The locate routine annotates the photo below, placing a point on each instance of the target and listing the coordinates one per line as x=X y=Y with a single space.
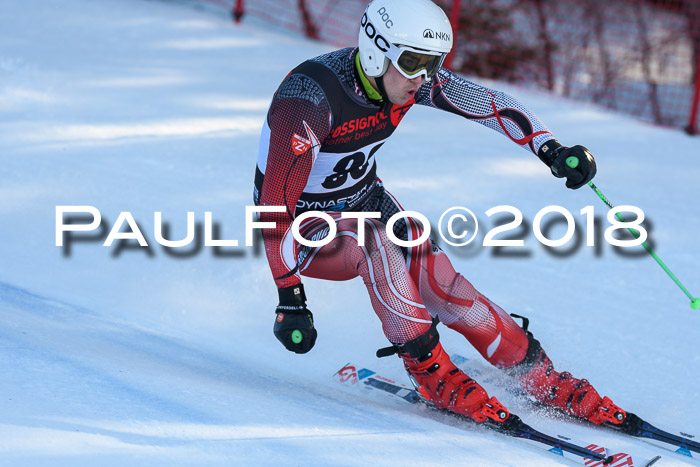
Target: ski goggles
x=412 y=63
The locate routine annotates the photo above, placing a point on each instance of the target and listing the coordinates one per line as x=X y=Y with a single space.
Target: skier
x=326 y=122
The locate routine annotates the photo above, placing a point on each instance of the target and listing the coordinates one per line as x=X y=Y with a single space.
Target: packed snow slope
x=160 y=356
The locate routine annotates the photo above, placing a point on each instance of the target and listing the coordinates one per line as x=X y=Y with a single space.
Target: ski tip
x=342 y=368
x=652 y=461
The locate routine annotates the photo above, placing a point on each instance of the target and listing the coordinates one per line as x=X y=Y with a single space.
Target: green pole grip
x=572 y=161
x=297 y=337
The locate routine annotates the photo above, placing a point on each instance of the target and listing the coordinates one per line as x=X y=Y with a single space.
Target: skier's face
x=399 y=88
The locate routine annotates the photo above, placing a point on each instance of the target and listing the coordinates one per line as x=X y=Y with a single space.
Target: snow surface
x=113 y=356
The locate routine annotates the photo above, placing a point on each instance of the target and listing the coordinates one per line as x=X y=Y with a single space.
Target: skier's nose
x=419 y=80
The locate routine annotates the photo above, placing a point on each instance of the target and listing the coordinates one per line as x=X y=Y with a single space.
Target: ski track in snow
x=136 y=356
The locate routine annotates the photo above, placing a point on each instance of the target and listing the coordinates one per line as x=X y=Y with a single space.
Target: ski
x=639 y=428
x=633 y=425
x=590 y=456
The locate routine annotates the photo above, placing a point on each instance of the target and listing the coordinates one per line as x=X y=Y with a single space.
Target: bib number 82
x=355 y=165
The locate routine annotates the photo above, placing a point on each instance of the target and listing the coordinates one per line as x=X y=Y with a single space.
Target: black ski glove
x=294 y=326
x=576 y=163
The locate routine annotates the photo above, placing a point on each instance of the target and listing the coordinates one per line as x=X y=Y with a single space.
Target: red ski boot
x=571 y=395
x=441 y=383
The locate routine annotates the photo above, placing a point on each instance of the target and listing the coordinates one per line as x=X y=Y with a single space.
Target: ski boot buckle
x=492 y=410
x=608 y=412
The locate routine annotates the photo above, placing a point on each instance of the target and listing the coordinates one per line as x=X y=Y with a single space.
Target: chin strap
x=382 y=90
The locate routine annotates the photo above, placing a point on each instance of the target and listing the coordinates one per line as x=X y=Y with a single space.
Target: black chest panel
x=344 y=171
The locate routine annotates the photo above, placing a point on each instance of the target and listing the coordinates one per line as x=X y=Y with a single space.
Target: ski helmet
x=415 y=35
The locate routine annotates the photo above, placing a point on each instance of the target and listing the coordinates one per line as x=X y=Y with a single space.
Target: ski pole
x=572 y=162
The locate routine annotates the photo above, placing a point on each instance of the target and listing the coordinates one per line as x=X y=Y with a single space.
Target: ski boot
x=441 y=384
x=576 y=397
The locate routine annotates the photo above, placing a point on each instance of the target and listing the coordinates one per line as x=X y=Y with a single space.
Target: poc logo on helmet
x=385 y=17
x=381 y=43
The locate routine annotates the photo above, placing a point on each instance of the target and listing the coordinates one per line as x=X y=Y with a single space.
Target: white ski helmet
x=415 y=35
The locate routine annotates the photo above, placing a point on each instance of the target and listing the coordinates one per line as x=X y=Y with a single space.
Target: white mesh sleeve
x=494 y=109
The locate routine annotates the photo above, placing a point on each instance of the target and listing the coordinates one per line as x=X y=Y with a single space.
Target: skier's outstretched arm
x=505 y=114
